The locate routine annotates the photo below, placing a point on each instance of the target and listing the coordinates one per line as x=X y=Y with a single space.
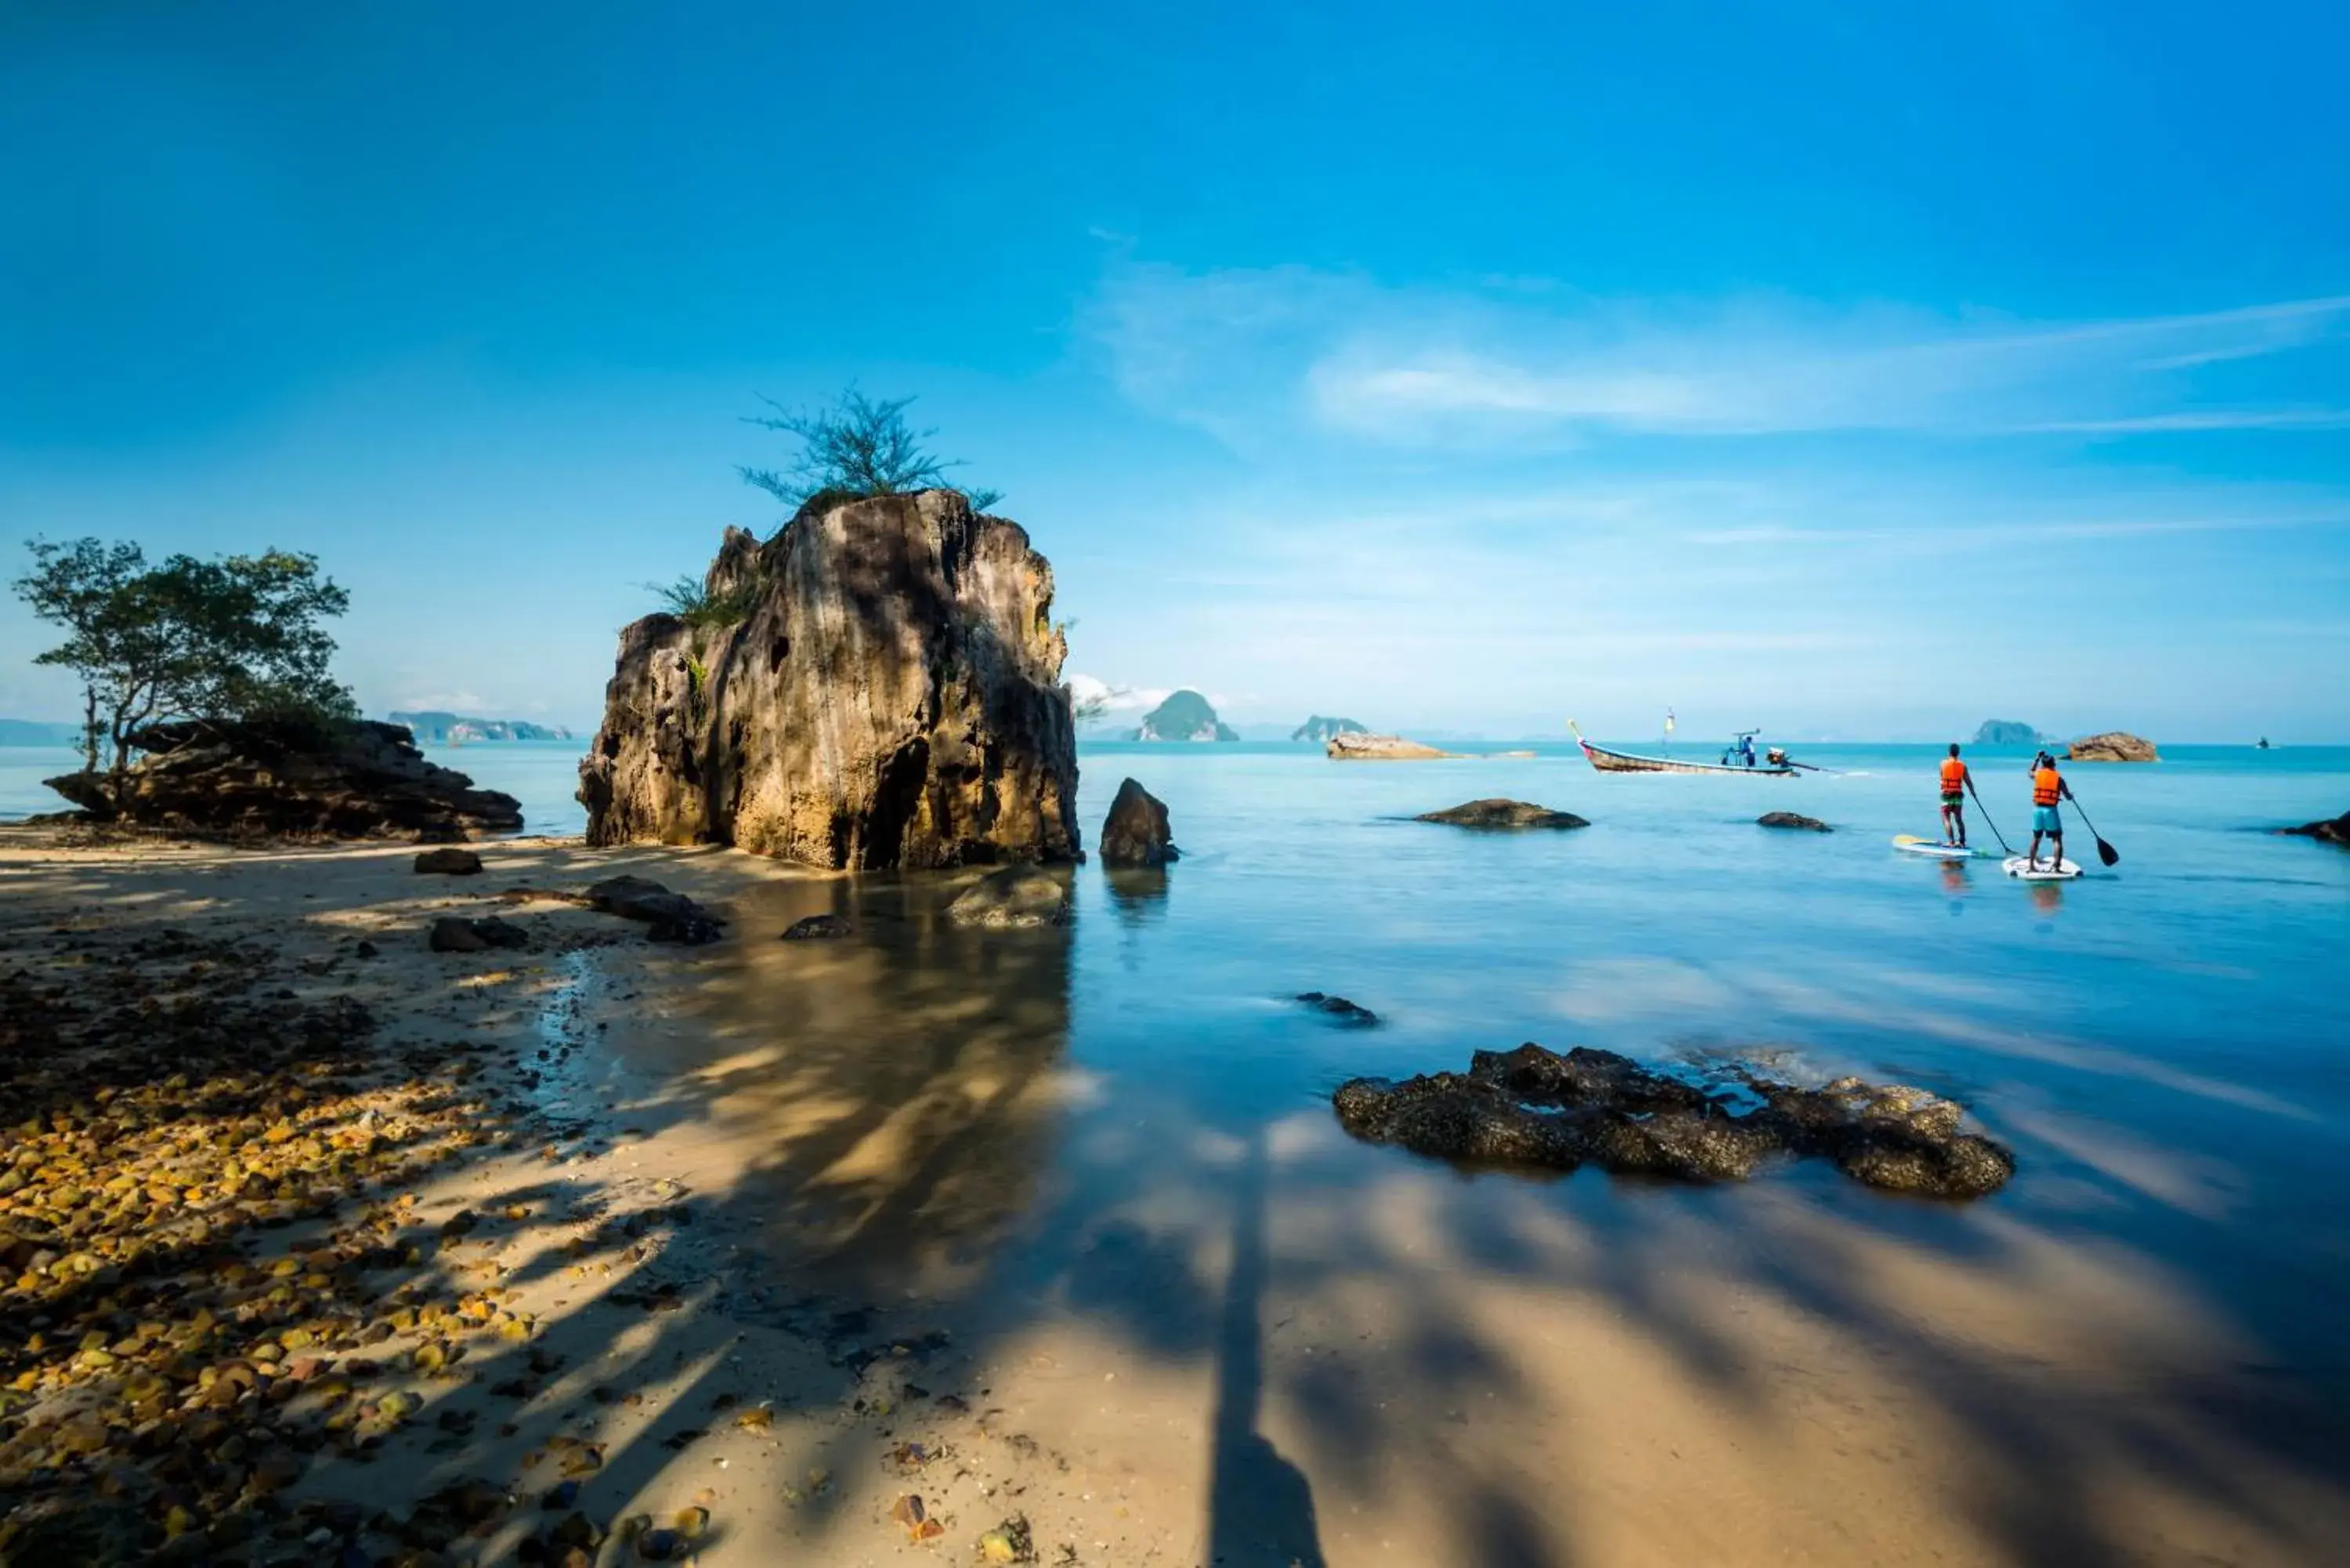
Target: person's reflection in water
x=1261 y=1506
x=1954 y=883
x=2047 y=898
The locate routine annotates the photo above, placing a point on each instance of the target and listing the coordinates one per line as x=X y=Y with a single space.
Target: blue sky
x=1850 y=371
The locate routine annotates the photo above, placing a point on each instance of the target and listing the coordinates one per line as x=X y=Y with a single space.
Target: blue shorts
x=2046 y=820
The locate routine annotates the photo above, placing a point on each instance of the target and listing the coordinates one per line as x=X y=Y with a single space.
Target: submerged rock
x=817 y=928
x=1790 y=819
x=1503 y=814
x=449 y=863
x=2113 y=746
x=336 y=780
x=878 y=685
x=1135 y=833
x=1339 y=1007
x=1532 y=1107
x=1348 y=746
x=1017 y=898
x=2336 y=831
x=673 y=917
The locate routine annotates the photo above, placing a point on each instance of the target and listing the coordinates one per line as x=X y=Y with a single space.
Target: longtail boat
x=1612 y=762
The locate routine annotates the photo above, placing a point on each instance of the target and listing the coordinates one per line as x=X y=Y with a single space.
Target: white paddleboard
x=1935 y=850
x=2049 y=871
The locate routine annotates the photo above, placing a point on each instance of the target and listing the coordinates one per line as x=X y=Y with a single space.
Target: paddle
x=1986 y=816
x=2105 y=852
x=1813 y=768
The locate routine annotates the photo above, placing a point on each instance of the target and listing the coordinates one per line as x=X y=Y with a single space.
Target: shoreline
x=862 y=1188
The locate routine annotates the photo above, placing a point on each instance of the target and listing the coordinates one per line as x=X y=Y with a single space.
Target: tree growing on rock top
x=857 y=447
x=237 y=637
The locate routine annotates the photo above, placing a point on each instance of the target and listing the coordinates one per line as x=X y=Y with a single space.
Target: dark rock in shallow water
x=452 y=934
x=1338 y=1007
x=1789 y=819
x=1498 y=813
x=1532 y=1107
x=817 y=928
x=1135 y=833
x=1017 y=898
x=673 y=917
x=449 y=863
x=339 y=779
x=2336 y=831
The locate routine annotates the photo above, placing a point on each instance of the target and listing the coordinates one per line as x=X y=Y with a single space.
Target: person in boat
x=1746 y=749
x=1954 y=799
x=2048 y=787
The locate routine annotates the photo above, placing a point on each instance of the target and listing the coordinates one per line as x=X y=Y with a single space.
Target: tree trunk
x=90 y=729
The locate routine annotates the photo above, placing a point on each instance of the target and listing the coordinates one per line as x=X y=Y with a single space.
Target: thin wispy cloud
x=1243 y=352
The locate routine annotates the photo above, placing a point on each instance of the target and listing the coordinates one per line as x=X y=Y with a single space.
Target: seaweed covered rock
x=1503 y=814
x=878 y=685
x=1017 y=898
x=1339 y=1008
x=1791 y=820
x=1532 y=1107
x=333 y=780
x=1135 y=832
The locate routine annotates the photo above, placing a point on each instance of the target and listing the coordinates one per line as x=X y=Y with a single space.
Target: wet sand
x=859 y=1185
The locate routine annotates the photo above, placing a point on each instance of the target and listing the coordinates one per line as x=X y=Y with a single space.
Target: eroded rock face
x=1532 y=1106
x=890 y=698
x=1352 y=747
x=1504 y=814
x=2335 y=831
x=2113 y=746
x=1793 y=821
x=354 y=780
x=1135 y=833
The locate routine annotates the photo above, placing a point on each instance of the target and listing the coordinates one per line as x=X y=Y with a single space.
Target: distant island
x=1185 y=716
x=2007 y=733
x=33 y=733
x=434 y=728
x=1318 y=730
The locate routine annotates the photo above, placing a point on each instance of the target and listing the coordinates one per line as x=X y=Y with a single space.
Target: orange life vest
x=1954 y=775
x=2046 y=787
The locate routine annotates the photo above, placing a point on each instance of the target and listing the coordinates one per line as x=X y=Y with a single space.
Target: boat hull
x=1608 y=762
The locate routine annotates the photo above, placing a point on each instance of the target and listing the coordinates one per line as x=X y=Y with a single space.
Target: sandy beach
x=700 y=1241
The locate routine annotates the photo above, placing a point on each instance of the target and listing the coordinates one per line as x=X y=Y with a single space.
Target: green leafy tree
x=238 y=637
x=857 y=447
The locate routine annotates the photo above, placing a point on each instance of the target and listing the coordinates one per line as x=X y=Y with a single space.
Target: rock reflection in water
x=888 y=1100
x=1138 y=893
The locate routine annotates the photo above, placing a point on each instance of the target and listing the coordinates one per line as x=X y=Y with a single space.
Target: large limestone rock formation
x=2113 y=746
x=356 y=780
x=879 y=686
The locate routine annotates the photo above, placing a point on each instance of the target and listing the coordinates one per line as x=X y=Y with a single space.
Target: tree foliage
x=690 y=599
x=856 y=448
x=238 y=637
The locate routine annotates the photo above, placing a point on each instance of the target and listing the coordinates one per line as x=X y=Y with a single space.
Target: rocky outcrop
x=2113 y=746
x=889 y=696
x=343 y=780
x=1534 y=1107
x=2006 y=733
x=1318 y=729
x=1017 y=898
x=672 y=917
x=1789 y=819
x=1185 y=716
x=1348 y=748
x=1503 y=814
x=817 y=928
x=1135 y=833
x=2333 y=831
x=454 y=934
